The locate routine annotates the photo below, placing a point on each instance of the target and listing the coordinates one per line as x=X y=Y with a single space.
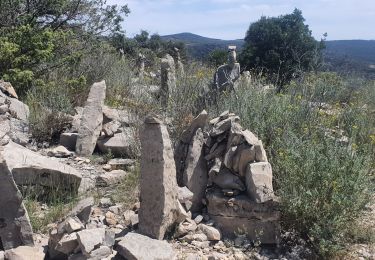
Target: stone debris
x=60 y=152
x=158 y=187
x=134 y=246
x=91 y=120
x=24 y=253
x=90 y=239
x=121 y=164
x=238 y=193
x=111 y=178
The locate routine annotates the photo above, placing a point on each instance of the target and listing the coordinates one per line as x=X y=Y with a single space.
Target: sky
x=230 y=19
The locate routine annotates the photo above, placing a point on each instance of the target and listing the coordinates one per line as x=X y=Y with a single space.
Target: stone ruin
x=227 y=74
x=224 y=183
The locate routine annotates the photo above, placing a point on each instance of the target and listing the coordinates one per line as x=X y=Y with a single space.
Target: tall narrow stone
x=168 y=78
x=92 y=119
x=15 y=227
x=158 y=187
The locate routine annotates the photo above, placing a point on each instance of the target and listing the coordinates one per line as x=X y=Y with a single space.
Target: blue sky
x=230 y=19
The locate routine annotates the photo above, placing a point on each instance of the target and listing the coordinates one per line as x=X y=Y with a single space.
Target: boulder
x=7 y=88
x=67 y=244
x=90 y=239
x=91 y=121
x=212 y=233
x=100 y=253
x=73 y=224
x=19 y=131
x=158 y=186
x=138 y=247
x=227 y=180
x=111 y=178
x=15 y=227
x=224 y=125
x=16 y=108
x=120 y=145
x=60 y=152
x=83 y=209
x=239 y=215
x=110 y=128
x=24 y=253
x=245 y=154
x=195 y=175
x=31 y=168
x=124 y=117
x=260 y=153
x=69 y=140
x=259 y=182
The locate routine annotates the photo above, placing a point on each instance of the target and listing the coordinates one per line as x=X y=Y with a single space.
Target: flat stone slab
x=240 y=215
x=30 y=168
x=138 y=247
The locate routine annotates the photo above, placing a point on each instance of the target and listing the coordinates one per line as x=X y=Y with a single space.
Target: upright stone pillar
x=92 y=120
x=159 y=209
x=168 y=78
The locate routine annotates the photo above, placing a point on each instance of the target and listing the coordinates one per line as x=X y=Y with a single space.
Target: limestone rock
x=59 y=152
x=100 y=253
x=89 y=239
x=121 y=164
x=83 y=209
x=246 y=154
x=120 y=145
x=30 y=168
x=67 y=244
x=195 y=175
x=138 y=247
x=15 y=227
x=16 y=108
x=91 y=121
x=260 y=153
x=7 y=88
x=24 y=253
x=73 y=224
x=168 y=78
x=212 y=233
x=184 y=195
x=227 y=180
x=158 y=185
x=223 y=126
x=111 y=178
x=110 y=128
x=68 y=140
x=199 y=122
x=259 y=182
x=19 y=131
x=124 y=117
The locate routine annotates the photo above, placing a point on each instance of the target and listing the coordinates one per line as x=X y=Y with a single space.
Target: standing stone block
x=15 y=227
x=168 y=78
x=259 y=182
x=158 y=186
x=195 y=176
x=92 y=119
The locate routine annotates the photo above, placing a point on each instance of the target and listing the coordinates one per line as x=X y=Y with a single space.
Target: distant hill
x=344 y=56
x=198 y=46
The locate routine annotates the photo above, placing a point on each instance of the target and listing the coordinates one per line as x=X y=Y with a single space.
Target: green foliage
x=217 y=57
x=324 y=182
x=282 y=47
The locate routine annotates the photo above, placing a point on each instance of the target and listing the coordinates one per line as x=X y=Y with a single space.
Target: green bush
x=323 y=181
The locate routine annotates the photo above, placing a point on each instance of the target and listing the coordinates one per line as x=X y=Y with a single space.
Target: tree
x=217 y=57
x=37 y=35
x=282 y=47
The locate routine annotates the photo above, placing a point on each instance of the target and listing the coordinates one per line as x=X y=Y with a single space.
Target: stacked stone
x=234 y=180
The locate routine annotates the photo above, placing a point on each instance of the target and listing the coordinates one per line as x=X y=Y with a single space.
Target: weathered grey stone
x=227 y=180
x=24 y=253
x=194 y=237
x=91 y=121
x=246 y=154
x=69 y=140
x=73 y=224
x=111 y=178
x=168 y=79
x=138 y=247
x=83 y=209
x=250 y=138
x=124 y=117
x=184 y=195
x=15 y=227
x=7 y=88
x=212 y=233
x=4 y=109
x=195 y=174
x=215 y=169
x=260 y=153
x=235 y=137
x=17 y=109
x=109 y=239
x=185 y=228
x=226 y=75
x=59 y=152
x=199 y=122
x=19 y=131
x=259 y=182
x=158 y=185
x=229 y=157
x=67 y=244
x=100 y=253
x=239 y=215
x=2 y=256
x=217 y=151
x=129 y=215
x=90 y=239
x=224 y=126
x=121 y=164
x=110 y=128
x=30 y=168
x=120 y=145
